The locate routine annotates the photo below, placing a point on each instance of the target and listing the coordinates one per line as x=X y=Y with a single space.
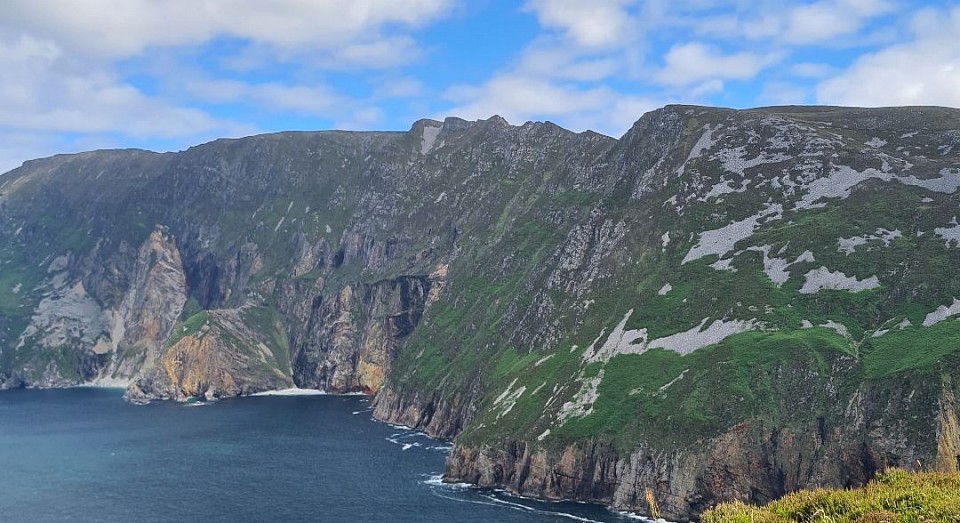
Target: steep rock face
x=349 y=339
x=91 y=339
x=152 y=305
x=220 y=353
x=720 y=304
x=754 y=461
x=440 y=413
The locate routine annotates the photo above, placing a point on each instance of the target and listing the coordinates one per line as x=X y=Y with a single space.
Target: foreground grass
x=895 y=496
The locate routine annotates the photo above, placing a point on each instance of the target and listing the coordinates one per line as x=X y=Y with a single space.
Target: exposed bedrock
x=755 y=461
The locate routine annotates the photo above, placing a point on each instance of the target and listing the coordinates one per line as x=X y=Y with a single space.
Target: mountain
x=719 y=305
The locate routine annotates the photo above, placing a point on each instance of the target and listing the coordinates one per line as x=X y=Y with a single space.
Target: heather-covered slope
x=720 y=305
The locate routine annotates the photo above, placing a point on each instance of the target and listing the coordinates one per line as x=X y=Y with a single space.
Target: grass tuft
x=895 y=496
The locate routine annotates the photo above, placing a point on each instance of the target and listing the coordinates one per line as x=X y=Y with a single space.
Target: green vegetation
x=191 y=326
x=265 y=322
x=911 y=348
x=895 y=496
x=669 y=399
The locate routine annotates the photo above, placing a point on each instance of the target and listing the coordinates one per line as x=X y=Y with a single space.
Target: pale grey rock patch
x=722 y=188
x=58 y=264
x=664 y=241
x=774 y=268
x=700 y=337
x=947 y=183
x=723 y=240
x=839 y=328
x=582 y=403
x=724 y=265
x=68 y=316
x=538 y=389
x=665 y=289
x=949 y=234
x=674 y=380
x=943 y=312
x=876 y=142
x=837 y=185
x=429 y=138
x=620 y=341
x=734 y=159
x=849 y=245
x=543 y=360
x=823 y=278
x=508 y=401
x=705 y=143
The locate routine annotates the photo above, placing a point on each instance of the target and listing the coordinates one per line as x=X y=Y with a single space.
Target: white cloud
x=46 y=91
x=549 y=59
x=923 y=71
x=60 y=61
x=694 y=62
x=598 y=23
x=828 y=19
x=106 y=28
x=793 y=23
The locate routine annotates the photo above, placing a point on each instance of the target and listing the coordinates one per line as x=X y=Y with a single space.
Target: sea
x=84 y=454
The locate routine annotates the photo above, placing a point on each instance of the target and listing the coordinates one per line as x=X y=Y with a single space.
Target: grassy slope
x=730 y=381
x=894 y=496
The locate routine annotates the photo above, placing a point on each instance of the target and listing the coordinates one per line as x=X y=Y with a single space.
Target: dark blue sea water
x=86 y=455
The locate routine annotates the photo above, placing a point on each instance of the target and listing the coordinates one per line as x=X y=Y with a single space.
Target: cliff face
x=843 y=442
x=719 y=305
x=215 y=354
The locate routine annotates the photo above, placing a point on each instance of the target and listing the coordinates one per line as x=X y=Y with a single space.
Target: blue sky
x=167 y=74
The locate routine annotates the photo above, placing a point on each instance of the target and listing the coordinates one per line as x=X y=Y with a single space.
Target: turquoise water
x=86 y=455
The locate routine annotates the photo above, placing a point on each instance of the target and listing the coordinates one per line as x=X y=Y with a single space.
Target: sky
x=167 y=74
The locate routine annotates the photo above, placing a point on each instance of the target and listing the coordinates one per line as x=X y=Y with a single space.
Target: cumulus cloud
x=598 y=23
x=694 y=62
x=315 y=99
x=53 y=93
x=923 y=71
x=549 y=60
x=827 y=19
x=64 y=62
x=106 y=28
x=795 y=23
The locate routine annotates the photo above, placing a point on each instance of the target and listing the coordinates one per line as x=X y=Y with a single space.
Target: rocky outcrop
x=87 y=338
x=151 y=306
x=589 y=318
x=216 y=355
x=350 y=338
x=755 y=461
x=441 y=414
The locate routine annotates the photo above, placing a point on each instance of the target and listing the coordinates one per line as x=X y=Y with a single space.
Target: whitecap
x=291 y=392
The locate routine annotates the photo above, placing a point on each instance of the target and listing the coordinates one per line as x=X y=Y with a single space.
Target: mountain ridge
x=590 y=318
